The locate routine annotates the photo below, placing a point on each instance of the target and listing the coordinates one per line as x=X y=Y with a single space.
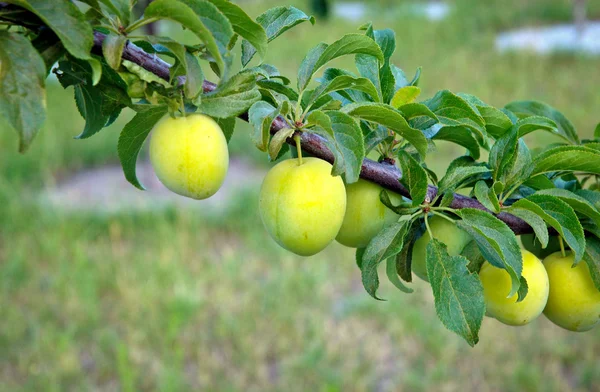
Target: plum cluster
x=304 y=208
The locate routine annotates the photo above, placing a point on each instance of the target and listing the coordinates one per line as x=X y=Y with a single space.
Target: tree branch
x=384 y=174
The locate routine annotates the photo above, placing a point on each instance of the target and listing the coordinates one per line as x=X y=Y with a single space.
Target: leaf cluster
x=372 y=110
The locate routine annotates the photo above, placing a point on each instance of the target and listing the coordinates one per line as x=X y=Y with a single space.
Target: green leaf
x=447 y=199
x=376 y=136
x=511 y=116
x=592 y=259
x=279 y=88
x=307 y=66
x=576 y=202
x=350 y=143
x=471 y=252
x=523 y=290
x=520 y=167
x=404 y=258
x=567 y=158
x=278 y=140
x=534 y=123
x=275 y=21
x=268 y=71
x=194 y=77
x=498 y=187
x=412 y=111
x=371 y=68
x=323 y=53
x=530 y=213
x=539 y=182
x=496 y=242
x=415 y=80
x=231 y=98
x=252 y=32
x=453 y=110
x=486 y=196
x=510 y=159
x=400 y=77
x=112 y=49
x=388 y=117
x=359 y=257
x=414 y=177
x=89 y=102
x=496 y=121
x=597 y=131
x=344 y=96
x=344 y=82
x=261 y=116
x=132 y=138
x=120 y=8
x=404 y=208
x=320 y=124
x=591 y=196
x=201 y=18
x=324 y=100
x=22 y=93
x=49 y=47
x=593 y=145
x=457 y=135
x=227 y=126
x=461 y=172
x=386 y=40
x=405 y=95
x=560 y=216
x=67 y=22
x=98 y=105
x=392 y=274
x=458 y=294
x=386 y=77
x=532 y=108
x=502 y=152
x=96 y=67
x=387 y=243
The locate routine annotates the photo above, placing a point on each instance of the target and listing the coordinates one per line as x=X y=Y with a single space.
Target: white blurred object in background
x=356 y=11
x=351 y=11
x=559 y=38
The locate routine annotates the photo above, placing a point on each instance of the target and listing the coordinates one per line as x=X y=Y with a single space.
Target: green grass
x=177 y=300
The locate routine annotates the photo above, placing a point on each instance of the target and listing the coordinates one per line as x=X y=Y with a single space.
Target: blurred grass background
x=175 y=299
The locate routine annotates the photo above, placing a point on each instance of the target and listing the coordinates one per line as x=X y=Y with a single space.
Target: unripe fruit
x=574 y=301
x=443 y=230
x=533 y=245
x=189 y=155
x=302 y=206
x=497 y=285
x=365 y=214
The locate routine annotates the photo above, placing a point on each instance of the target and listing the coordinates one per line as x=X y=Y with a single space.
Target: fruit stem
x=298 y=148
x=427 y=226
x=443 y=216
x=562 y=246
x=452 y=210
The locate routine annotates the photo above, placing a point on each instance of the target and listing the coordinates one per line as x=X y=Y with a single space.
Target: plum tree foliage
x=335 y=115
